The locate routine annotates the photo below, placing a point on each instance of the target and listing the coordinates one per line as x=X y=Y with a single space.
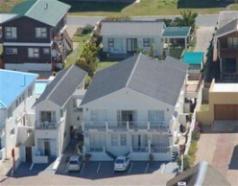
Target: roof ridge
x=57 y=84
x=31 y=7
x=133 y=70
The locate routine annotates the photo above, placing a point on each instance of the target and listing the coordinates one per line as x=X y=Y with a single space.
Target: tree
x=188 y=18
x=88 y=58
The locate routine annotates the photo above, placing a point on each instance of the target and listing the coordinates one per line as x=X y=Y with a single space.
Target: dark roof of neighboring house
x=200 y=175
x=7 y=17
x=63 y=86
x=132 y=27
x=46 y=11
x=230 y=27
x=226 y=17
x=160 y=80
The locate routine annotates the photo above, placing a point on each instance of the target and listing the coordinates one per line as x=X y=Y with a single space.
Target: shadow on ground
x=203 y=3
x=25 y=169
x=102 y=170
x=234 y=159
x=95 y=6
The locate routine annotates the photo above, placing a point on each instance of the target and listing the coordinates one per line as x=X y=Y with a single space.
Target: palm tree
x=188 y=18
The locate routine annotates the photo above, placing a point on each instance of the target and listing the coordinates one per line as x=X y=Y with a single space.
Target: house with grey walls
x=121 y=39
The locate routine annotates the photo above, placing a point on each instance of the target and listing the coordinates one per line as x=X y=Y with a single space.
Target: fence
x=194 y=119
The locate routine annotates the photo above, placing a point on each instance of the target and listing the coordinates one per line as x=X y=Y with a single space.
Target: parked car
x=121 y=163
x=74 y=163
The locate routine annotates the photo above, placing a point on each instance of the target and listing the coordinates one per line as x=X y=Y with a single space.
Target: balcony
x=127 y=126
x=46 y=125
x=160 y=149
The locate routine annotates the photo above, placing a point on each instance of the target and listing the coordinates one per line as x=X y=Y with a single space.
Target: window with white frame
x=147 y=42
x=114 y=139
x=41 y=32
x=46 y=51
x=233 y=42
x=123 y=140
x=98 y=115
x=11 y=33
x=156 y=117
x=111 y=43
x=97 y=141
x=11 y=51
x=33 y=53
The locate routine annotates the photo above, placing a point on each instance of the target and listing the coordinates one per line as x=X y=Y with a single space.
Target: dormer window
x=41 y=32
x=11 y=33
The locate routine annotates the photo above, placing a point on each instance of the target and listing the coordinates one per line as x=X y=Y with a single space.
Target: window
x=41 y=32
x=11 y=32
x=114 y=139
x=33 y=52
x=98 y=115
x=47 y=116
x=61 y=113
x=46 y=51
x=232 y=42
x=156 y=116
x=147 y=42
x=11 y=51
x=110 y=43
x=123 y=140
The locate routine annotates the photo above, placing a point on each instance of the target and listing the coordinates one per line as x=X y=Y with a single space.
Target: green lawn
x=79 y=40
x=147 y=7
x=105 y=64
x=7 y=5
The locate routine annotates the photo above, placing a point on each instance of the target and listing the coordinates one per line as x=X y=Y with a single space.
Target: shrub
x=196 y=134
x=117 y=18
x=186 y=162
x=87 y=29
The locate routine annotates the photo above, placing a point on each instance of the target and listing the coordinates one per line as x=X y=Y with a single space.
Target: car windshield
x=73 y=162
x=119 y=161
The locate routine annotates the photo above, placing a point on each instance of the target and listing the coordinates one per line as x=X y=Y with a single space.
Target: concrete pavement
x=202 y=20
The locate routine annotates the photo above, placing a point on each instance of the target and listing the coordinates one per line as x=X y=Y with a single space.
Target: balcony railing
x=127 y=125
x=46 y=125
x=160 y=149
x=140 y=149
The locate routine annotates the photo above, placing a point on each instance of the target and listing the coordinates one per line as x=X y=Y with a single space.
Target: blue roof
x=176 y=31
x=12 y=85
x=193 y=58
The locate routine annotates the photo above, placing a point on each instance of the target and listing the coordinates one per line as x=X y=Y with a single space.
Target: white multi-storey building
x=16 y=117
x=54 y=116
x=133 y=108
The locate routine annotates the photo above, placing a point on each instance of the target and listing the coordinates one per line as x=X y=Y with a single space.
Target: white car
x=121 y=163
x=74 y=163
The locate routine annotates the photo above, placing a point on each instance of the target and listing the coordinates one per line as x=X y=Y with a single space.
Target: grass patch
x=80 y=40
x=7 y=5
x=146 y=7
x=105 y=64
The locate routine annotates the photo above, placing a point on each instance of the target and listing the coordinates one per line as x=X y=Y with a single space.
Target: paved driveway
x=221 y=151
x=94 y=173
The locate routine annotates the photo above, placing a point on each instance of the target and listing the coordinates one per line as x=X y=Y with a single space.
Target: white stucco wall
x=157 y=43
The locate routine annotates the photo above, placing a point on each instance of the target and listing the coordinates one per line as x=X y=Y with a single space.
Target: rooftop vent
x=46 y=5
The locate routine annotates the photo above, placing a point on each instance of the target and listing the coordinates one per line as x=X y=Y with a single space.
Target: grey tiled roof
x=228 y=28
x=116 y=28
x=63 y=86
x=160 y=80
x=226 y=17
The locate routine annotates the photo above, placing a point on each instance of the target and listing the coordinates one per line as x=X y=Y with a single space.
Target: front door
x=47 y=148
x=132 y=45
x=28 y=154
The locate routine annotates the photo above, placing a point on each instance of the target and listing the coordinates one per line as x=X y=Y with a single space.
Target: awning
x=193 y=58
x=177 y=32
